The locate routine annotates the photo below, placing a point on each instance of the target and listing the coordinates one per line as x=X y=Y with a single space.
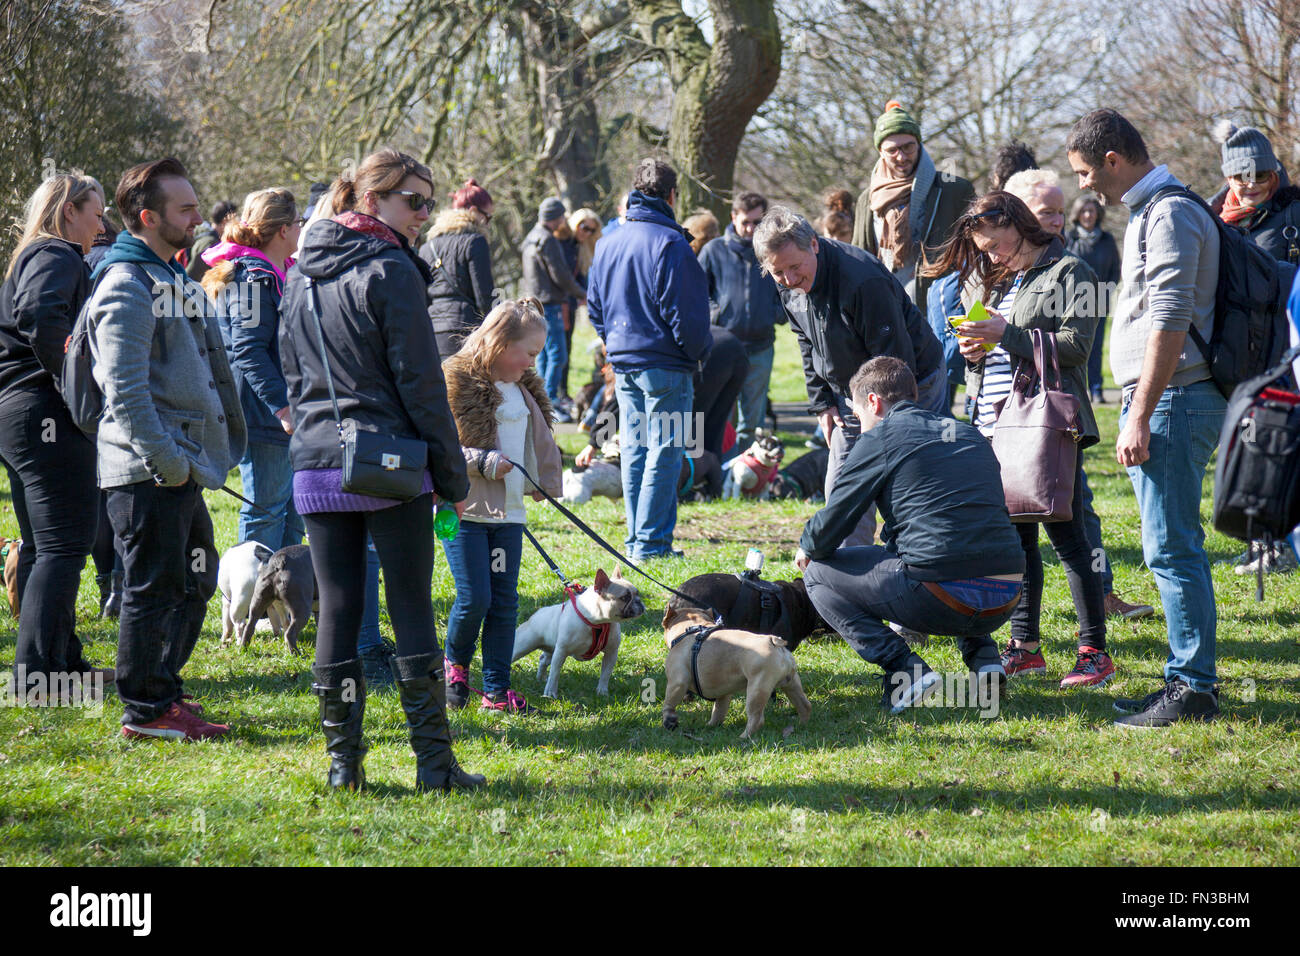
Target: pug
x=286 y=593
x=573 y=628
x=751 y=474
x=729 y=662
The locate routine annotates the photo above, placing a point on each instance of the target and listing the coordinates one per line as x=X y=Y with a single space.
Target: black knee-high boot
x=423 y=693
x=342 y=693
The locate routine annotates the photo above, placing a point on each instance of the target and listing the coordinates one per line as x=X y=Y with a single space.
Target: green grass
x=595 y=781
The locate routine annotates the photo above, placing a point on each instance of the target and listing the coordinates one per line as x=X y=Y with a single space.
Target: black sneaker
x=1174 y=702
x=374 y=664
x=909 y=684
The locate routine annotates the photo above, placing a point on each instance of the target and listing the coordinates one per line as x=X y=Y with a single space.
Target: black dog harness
x=759 y=600
x=701 y=633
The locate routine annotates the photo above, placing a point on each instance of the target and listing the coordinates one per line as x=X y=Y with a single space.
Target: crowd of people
x=286 y=337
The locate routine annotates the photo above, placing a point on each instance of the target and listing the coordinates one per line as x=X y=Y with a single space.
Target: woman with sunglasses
x=1022 y=273
x=360 y=278
x=460 y=259
x=578 y=241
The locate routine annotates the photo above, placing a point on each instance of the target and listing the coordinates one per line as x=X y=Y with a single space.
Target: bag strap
x=313 y=308
x=1048 y=340
x=1187 y=193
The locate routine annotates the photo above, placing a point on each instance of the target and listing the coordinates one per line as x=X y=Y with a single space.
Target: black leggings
x=403 y=537
x=105 y=553
x=716 y=388
x=1082 y=570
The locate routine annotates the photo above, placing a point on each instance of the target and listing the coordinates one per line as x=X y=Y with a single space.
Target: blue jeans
x=1094 y=358
x=752 y=407
x=554 y=355
x=370 y=636
x=654 y=406
x=267 y=477
x=484 y=560
x=1184 y=432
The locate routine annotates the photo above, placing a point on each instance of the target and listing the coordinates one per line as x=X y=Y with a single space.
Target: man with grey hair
x=845 y=308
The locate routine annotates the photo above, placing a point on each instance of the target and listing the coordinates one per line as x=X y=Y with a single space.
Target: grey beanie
x=550 y=209
x=1247 y=150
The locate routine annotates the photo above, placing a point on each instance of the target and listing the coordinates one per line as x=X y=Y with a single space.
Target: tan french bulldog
x=730 y=662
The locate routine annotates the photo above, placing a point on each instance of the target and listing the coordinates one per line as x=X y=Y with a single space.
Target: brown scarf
x=889 y=199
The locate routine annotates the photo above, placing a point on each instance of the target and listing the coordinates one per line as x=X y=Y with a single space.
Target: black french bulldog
x=794 y=620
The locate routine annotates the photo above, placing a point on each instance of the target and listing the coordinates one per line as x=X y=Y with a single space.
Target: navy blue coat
x=647 y=296
x=249 y=316
x=742 y=299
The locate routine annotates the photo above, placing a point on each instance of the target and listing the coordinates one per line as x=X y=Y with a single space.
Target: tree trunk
x=716 y=90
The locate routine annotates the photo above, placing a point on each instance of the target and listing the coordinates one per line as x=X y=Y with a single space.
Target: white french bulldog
x=560 y=633
x=598 y=478
x=236 y=578
x=751 y=473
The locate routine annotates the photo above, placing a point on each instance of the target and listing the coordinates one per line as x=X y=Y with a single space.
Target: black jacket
x=372 y=296
x=39 y=303
x=938 y=486
x=1101 y=252
x=1269 y=228
x=548 y=277
x=458 y=255
x=855 y=311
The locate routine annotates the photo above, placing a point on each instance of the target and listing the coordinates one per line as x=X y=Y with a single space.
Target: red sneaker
x=1016 y=660
x=187 y=702
x=176 y=724
x=1092 y=669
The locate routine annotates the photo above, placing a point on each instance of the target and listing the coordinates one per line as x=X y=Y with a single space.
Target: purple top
x=321 y=489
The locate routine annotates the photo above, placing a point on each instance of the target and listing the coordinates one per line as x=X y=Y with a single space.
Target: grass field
x=600 y=782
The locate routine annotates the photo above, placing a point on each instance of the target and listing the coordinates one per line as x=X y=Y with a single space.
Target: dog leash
x=236 y=494
x=582 y=526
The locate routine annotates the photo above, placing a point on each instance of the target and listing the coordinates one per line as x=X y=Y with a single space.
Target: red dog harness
x=599 y=632
x=764 y=473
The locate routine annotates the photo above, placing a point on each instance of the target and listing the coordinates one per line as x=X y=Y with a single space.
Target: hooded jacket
x=248 y=313
x=474 y=402
x=741 y=299
x=460 y=259
x=371 y=291
x=171 y=412
x=855 y=311
x=647 y=296
x=39 y=303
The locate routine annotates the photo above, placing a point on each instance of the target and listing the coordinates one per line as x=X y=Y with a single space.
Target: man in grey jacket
x=1171 y=410
x=171 y=426
x=549 y=279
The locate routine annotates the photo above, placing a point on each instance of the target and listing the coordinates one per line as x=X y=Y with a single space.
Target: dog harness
x=701 y=633
x=764 y=473
x=760 y=601
x=599 y=632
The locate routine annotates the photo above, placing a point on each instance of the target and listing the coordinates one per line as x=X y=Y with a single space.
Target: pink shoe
x=509 y=702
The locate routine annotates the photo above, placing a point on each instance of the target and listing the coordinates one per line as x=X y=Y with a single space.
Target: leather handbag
x=374 y=464
x=1036 y=438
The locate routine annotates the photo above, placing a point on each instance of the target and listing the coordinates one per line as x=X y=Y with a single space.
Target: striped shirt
x=998 y=367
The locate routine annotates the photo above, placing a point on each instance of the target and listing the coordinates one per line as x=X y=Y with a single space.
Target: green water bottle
x=445 y=523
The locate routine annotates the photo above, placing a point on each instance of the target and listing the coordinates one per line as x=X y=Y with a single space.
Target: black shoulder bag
x=382 y=466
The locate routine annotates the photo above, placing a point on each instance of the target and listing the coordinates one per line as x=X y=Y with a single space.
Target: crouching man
x=951 y=563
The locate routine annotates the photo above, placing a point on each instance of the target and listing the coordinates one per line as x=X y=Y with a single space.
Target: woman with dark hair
x=460 y=259
x=1007 y=260
x=56 y=497
x=1086 y=239
x=359 y=278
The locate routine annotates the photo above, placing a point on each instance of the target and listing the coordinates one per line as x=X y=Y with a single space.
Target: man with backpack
x=1172 y=408
x=171 y=426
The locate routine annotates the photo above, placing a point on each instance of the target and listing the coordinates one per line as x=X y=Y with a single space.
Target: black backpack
x=77 y=385
x=1257 y=477
x=1250 y=325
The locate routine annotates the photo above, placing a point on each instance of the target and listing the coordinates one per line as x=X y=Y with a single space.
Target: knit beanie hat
x=1247 y=151
x=550 y=209
x=895 y=120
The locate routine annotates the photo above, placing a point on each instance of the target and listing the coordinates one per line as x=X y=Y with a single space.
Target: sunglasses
x=414 y=199
x=586 y=228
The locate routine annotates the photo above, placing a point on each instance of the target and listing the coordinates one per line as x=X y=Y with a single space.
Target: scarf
x=1236 y=213
x=367 y=225
x=890 y=199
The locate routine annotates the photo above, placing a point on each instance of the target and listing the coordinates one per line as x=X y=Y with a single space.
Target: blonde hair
x=703 y=226
x=43 y=214
x=505 y=324
x=586 y=247
x=263 y=214
x=1023 y=183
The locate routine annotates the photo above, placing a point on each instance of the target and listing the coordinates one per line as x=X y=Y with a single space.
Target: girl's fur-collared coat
x=474 y=399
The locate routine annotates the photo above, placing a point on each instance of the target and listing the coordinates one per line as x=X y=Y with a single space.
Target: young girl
x=502 y=414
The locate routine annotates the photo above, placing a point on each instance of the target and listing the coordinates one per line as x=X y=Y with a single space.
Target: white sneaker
x=1279 y=559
